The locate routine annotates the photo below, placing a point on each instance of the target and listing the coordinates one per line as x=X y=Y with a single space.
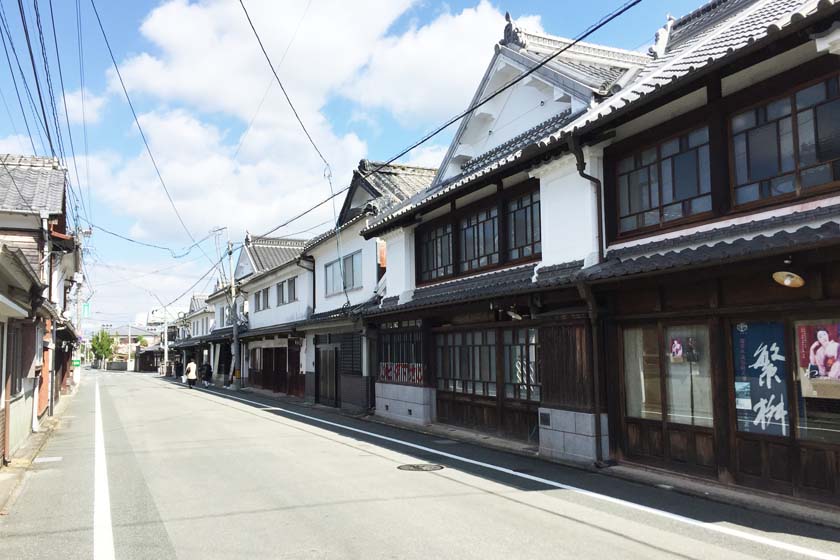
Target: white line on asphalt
x=103 y=533
x=47 y=460
x=631 y=505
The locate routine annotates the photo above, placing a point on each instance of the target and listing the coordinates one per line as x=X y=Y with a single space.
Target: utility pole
x=128 y=363
x=165 y=341
x=234 y=317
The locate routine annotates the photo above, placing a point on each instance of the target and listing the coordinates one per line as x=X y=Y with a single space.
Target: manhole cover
x=421 y=467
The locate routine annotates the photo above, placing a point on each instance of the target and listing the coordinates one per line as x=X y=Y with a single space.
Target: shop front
x=274 y=363
x=727 y=374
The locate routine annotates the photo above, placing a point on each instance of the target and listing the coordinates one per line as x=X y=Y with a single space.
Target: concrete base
x=405 y=403
x=567 y=435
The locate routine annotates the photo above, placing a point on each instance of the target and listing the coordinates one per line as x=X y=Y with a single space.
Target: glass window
x=667 y=182
x=401 y=357
x=523 y=215
x=643 y=394
x=257 y=302
x=688 y=380
x=467 y=362
x=345 y=273
x=436 y=252
x=265 y=302
x=818 y=375
x=291 y=287
x=522 y=379
x=769 y=163
x=761 y=362
x=480 y=240
x=281 y=293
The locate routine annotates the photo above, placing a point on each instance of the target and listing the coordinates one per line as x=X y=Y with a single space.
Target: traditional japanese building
x=719 y=290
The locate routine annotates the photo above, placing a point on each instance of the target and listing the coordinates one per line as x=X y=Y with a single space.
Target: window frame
x=799 y=193
x=656 y=143
x=498 y=200
x=291 y=289
x=716 y=114
x=342 y=273
x=281 y=293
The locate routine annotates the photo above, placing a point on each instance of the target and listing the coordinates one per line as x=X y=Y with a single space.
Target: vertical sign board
x=761 y=376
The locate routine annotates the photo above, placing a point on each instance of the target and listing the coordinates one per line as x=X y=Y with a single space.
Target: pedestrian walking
x=179 y=370
x=207 y=375
x=191 y=376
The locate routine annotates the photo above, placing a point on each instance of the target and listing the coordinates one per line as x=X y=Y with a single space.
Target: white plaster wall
x=400 y=277
x=327 y=252
x=405 y=403
x=568 y=211
x=307 y=354
x=288 y=312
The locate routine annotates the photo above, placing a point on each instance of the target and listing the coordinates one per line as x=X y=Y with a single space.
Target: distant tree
x=141 y=341
x=102 y=345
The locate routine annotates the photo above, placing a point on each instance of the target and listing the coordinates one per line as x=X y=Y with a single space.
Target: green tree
x=141 y=341
x=102 y=345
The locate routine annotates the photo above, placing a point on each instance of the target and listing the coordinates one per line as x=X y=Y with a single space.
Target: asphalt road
x=192 y=474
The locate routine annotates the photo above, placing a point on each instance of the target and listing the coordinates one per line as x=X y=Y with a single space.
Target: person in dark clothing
x=207 y=375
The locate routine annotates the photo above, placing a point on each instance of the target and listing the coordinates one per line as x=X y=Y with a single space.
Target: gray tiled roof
x=704 y=37
x=271 y=252
x=395 y=182
x=475 y=168
x=780 y=242
x=31 y=184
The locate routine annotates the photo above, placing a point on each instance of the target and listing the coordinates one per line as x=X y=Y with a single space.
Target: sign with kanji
x=761 y=374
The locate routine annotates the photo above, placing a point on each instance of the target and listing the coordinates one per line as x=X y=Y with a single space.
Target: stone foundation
x=567 y=435
x=405 y=403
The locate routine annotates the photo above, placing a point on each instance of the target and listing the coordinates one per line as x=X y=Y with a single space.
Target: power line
x=589 y=31
x=271 y=83
x=5 y=32
x=282 y=88
x=82 y=94
x=137 y=122
x=203 y=276
x=66 y=115
x=35 y=74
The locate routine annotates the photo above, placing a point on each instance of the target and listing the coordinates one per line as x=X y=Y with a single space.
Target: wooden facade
x=721 y=301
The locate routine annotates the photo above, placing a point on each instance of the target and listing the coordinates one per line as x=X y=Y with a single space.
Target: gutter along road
x=144 y=468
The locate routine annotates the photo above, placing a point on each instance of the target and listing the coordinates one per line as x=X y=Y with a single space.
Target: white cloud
x=15 y=144
x=93 y=105
x=208 y=186
x=431 y=72
x=429 y=155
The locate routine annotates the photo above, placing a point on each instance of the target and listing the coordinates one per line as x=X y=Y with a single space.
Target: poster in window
x=818 y=345
x=761 y=374
x=677 y=351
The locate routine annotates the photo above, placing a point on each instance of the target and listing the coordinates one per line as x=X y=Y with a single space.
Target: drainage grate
x=421 y=467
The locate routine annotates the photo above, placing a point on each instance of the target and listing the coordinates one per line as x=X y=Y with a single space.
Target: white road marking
x=47 y=460
x=103 y=532
x=631 y=505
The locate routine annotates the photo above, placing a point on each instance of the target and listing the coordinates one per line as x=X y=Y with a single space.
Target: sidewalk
x=765 y=502
x=13 y=474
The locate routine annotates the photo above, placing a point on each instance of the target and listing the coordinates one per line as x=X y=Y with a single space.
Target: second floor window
x=291 y=289
x=281 y=293
x=265 y=292
x=479 y=236
x=344 y=274
x=523 y=229
x=666 y=182
x=436 y=252
x=257 y=301
x=787 y=146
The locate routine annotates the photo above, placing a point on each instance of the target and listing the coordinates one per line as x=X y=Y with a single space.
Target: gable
x=537 y=98
x=357 y=198
x=244 y=266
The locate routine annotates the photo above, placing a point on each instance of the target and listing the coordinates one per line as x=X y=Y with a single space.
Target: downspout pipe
x=587 y=296
x=577 y=150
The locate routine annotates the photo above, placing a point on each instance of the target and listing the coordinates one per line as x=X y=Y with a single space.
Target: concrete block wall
x=569 y=435
x=406 y=403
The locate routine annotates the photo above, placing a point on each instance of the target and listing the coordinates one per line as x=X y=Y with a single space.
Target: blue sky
x=369 y=77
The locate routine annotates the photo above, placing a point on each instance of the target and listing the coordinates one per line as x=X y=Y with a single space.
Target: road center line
x=631 y=505
x=103 y=532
